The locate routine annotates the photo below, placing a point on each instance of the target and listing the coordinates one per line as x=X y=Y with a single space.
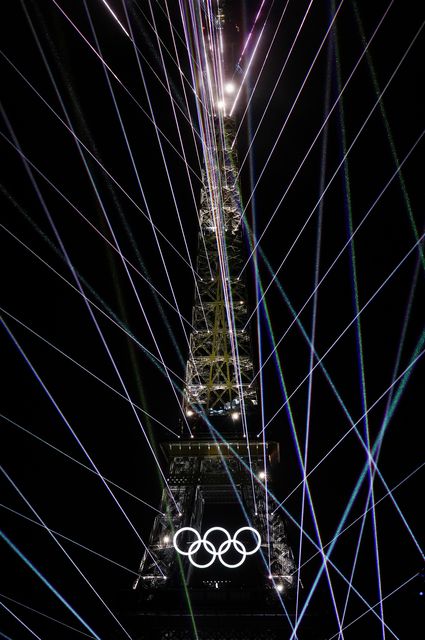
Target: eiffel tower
x=218 y=564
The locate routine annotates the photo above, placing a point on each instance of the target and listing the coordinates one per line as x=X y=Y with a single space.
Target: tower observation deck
x=218 y=564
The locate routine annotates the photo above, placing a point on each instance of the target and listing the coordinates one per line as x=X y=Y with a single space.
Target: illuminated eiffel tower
x=218 y=560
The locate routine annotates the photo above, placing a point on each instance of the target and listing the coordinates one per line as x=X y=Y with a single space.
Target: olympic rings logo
x=223 y=548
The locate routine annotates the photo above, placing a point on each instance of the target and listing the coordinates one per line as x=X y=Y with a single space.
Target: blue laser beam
x=48 y=584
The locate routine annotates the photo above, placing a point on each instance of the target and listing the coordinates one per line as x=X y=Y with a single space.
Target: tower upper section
x=219 y=369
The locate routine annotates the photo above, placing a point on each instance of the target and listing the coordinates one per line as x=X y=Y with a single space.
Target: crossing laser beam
x=48 y=584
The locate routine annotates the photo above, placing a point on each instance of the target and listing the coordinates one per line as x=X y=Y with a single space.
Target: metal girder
x=194 y=477
x=219 y=370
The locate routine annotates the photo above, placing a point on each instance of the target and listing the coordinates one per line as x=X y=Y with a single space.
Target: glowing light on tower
x=218 y=385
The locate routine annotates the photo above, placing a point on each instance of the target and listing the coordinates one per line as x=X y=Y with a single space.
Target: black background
x=70 y=499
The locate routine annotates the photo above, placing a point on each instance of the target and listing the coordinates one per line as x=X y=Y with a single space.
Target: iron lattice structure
x=226 y=609
x=218 y=376
x=198 y=478
x=209 y=477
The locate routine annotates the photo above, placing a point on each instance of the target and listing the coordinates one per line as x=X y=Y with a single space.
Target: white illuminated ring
x=197 y=542
x=239 y=547
x=255 y=532
x=210 y=548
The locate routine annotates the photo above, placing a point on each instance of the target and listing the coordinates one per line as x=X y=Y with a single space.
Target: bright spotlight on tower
x=279 y=587
x=235 y=415
x=189 y=413
x=262 y=475
x=230 y=88
x=221 y=105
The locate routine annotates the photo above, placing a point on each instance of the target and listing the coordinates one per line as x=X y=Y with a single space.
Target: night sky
x=69 y=309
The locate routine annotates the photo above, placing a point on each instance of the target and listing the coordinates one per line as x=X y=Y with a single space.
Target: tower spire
x=219 y=371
